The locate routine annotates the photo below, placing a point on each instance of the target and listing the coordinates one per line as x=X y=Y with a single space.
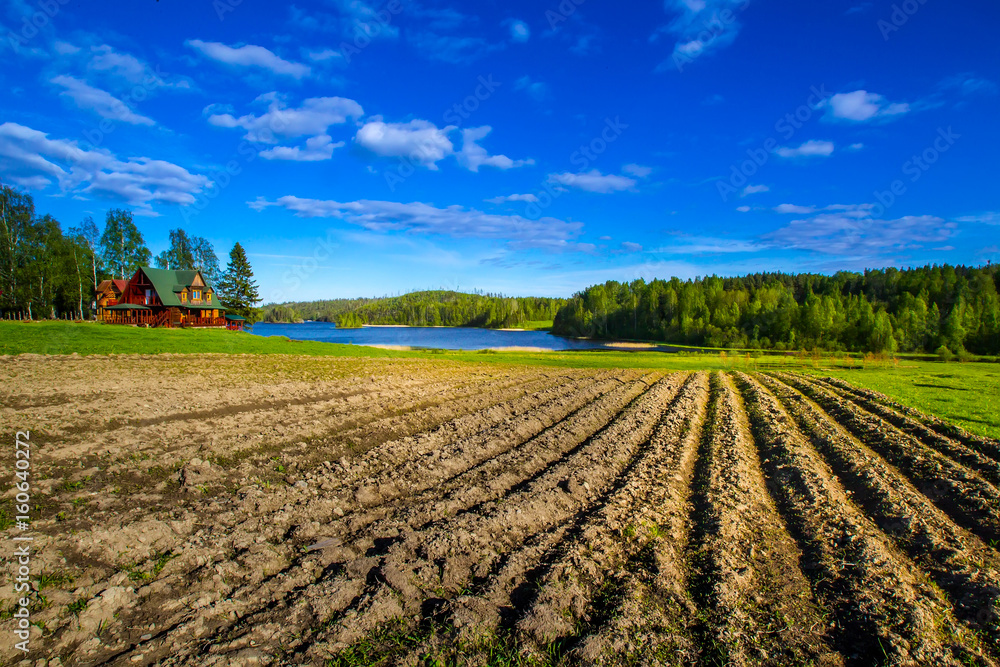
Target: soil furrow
x=969 y=499
x=965 y=569
x=953 y=449
x=881 y=610
x=444 y=559
x=757 y=607
x=986 y=446
x=302 y=521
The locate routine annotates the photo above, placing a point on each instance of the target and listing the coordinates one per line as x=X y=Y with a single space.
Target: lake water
x=423 y=337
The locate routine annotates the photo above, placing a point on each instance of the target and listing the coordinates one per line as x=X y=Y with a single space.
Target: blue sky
x=364 y=148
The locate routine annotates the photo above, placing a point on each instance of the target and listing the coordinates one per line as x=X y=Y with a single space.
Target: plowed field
x=225 y=510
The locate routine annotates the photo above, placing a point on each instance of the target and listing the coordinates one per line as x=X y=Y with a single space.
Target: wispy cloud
x=99 y=101
x=593 y=181
x=473 y=156
x=861 y=106
x=249 y=55
x=31 y=158
x=754 y=189
x=811 y=148
x=515 y=197
x=312 y=119
x=549 y=234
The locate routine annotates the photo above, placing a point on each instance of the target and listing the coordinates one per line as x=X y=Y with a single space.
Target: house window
x=149 y=297
x=208 y=297
x=184 y=297
x=195 y=294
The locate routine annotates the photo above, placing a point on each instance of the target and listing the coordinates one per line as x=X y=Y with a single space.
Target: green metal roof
x=236 y=318
x=168 y=283
x=128 y=306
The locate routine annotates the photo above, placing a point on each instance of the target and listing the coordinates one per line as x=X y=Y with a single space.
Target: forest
x=426 y=308
x=48 y=273
x=942 y=309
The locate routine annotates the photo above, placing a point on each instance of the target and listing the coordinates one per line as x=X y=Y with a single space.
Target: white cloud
x=702 y=245
x=500 y=200
x=861 y=106
x=99 y=101
x=106 y=60
x=472 y=156
x=325 y=55
x=968 y=85
x=249 y=55
x=536 y=90
x=317 y=148
x=519 y=30
x=754 y=189
x=31 y=158
x=811 y=148
x=453 y=49
x=743 y=209
x=419 y=140
x=593 y=181
x=701 y=26
x=839 y=233
x=455 y=221
x=848 y=210
x=792 y=208
x=629 y=246
x=313 y=118
x=637 y=170
x=988 y=218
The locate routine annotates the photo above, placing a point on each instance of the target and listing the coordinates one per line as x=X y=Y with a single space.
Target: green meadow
x=966 y=393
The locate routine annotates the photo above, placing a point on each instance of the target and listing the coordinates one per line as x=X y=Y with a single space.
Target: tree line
x=48 y=273
x=425 y=308
x=943 y=309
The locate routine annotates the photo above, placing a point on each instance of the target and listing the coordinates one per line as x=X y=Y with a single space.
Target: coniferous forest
x=942 y=309
x=426 y=308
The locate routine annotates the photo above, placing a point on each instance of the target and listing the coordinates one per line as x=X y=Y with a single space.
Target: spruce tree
x=237 y=288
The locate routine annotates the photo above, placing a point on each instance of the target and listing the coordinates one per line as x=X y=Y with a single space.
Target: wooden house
x=167 y=298
x=108 y=293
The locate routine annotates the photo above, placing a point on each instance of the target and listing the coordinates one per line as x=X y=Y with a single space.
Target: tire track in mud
x=965 y=569
x=987 y=446
x=487 y=431
x=756 y=606
x=971 y=501
x=882 y=610
x=448 y=555
x=953 y=449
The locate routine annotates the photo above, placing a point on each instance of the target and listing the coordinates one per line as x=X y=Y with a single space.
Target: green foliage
x=188 y=253
x=887 y=310
x=428 y=308
x=237 y=288
x=123 y=248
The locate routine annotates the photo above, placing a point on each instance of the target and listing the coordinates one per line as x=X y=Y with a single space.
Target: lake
x=446 y=338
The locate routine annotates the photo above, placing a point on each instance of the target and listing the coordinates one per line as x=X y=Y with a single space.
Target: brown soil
x=224 y=510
